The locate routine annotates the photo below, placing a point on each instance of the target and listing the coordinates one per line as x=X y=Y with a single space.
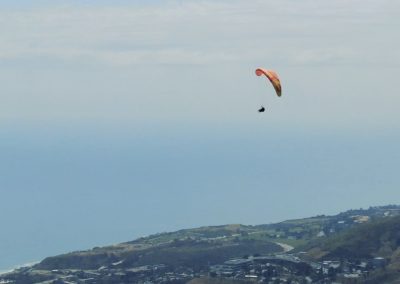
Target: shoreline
x=29 y=264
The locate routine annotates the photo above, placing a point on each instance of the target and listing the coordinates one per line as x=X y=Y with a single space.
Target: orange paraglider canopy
x=272 y=77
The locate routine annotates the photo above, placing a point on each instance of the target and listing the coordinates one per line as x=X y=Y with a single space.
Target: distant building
x=360 y=219
x=222 y=270
x=351 y=275
x=251 y=276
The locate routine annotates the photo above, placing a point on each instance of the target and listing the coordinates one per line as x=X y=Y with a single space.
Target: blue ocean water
x=70 y=188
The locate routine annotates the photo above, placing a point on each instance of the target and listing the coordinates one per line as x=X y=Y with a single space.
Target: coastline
x=29 y=264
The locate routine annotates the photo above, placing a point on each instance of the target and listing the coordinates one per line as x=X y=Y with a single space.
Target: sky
x=120 y=119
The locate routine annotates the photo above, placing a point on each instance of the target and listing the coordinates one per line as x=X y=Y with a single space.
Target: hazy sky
x=125 y=118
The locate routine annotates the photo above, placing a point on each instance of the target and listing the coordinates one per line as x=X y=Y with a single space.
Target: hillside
x=186 y=252
x=238 y=251
x=376 y=240
x=379 y=237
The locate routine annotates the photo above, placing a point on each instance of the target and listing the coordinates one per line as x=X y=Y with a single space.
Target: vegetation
x=189 y=252
x=352 y=237
x=380 y=237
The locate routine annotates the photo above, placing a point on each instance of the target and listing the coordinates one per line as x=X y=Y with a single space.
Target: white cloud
x=197 y=32
x=326 y=51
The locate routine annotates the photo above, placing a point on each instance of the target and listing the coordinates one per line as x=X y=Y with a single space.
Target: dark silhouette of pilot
x=262 y=109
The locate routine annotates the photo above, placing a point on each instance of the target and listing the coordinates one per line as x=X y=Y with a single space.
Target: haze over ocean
x=122 y=119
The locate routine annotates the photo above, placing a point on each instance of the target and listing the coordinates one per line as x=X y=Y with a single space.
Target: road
x=286 y=247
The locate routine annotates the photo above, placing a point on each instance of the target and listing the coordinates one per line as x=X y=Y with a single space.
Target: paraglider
x=273 y=78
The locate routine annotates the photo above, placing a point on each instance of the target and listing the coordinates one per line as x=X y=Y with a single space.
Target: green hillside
x=363 y=242
x=380 y=237
x=189 y=252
